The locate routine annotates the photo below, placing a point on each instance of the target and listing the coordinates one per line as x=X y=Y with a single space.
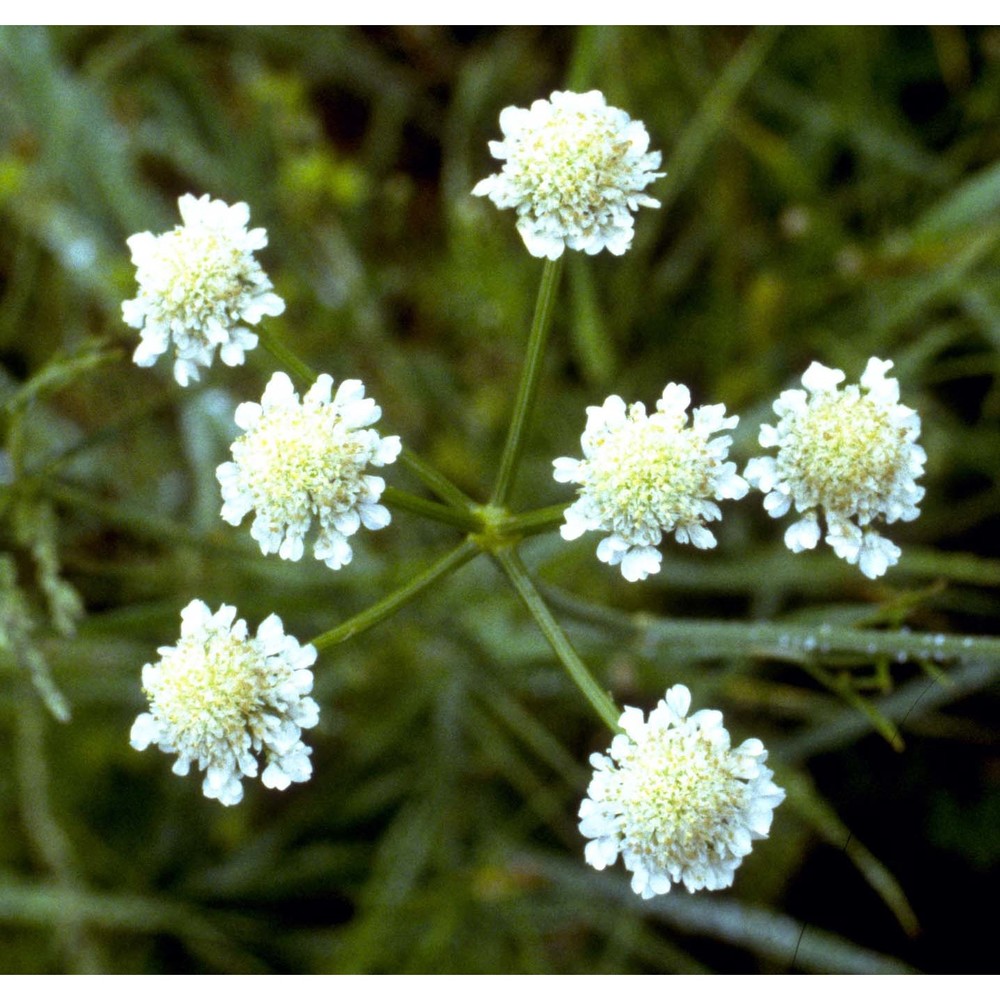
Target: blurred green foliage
x=831 y=193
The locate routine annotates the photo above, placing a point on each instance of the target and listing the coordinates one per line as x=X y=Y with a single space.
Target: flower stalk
x=286 y=357
x=533 y=522
x=578 y=671
x=397 y=499
x=530 y=376
x=390 y=604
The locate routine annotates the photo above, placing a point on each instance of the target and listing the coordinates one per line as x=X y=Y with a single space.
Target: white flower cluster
x=298 y=461
x=198 y=285
x=850 y=452
x=675 y=800
x=220 y=697
x=575 y=172
x=642 y=476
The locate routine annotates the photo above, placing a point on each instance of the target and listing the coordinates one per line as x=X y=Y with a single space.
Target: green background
x=831 y=194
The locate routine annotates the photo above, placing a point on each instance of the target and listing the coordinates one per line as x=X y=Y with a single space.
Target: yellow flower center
x=208 y=689
x=201 y=273
x=676 y=795
x=302 y=456
x=570 y=163
x=845 y=450
x=651 y=472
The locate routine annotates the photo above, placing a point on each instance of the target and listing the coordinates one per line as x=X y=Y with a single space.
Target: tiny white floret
x=575 y=171
x=200 y=288
x=850 y=453
x=224 y=700
x=299 y=462
x=643 y=476
x=675 y=800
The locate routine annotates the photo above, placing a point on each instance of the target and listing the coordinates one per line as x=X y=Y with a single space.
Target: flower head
x=850 y=452
x=645 y=476
x=675 y=800
x=219 y=697
x=198 y=285
x=575 y=171
x=302 y=460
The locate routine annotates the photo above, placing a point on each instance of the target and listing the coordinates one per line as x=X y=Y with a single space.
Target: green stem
x=437 y=483
x=528 y=389
x=287 y=357
x=558 y=640
x=401 y=500
x=790 y=641
x=534 y=522
x=840 y=685
x=390 y=605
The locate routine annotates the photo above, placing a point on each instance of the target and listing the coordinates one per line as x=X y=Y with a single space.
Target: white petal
x=803 y=535
x=279 y=392
x=566 y=470
x=762 y=473
x=819 y=378
x=777 y=503
x=145 y=730
x=374 y=516
x=639 y=563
